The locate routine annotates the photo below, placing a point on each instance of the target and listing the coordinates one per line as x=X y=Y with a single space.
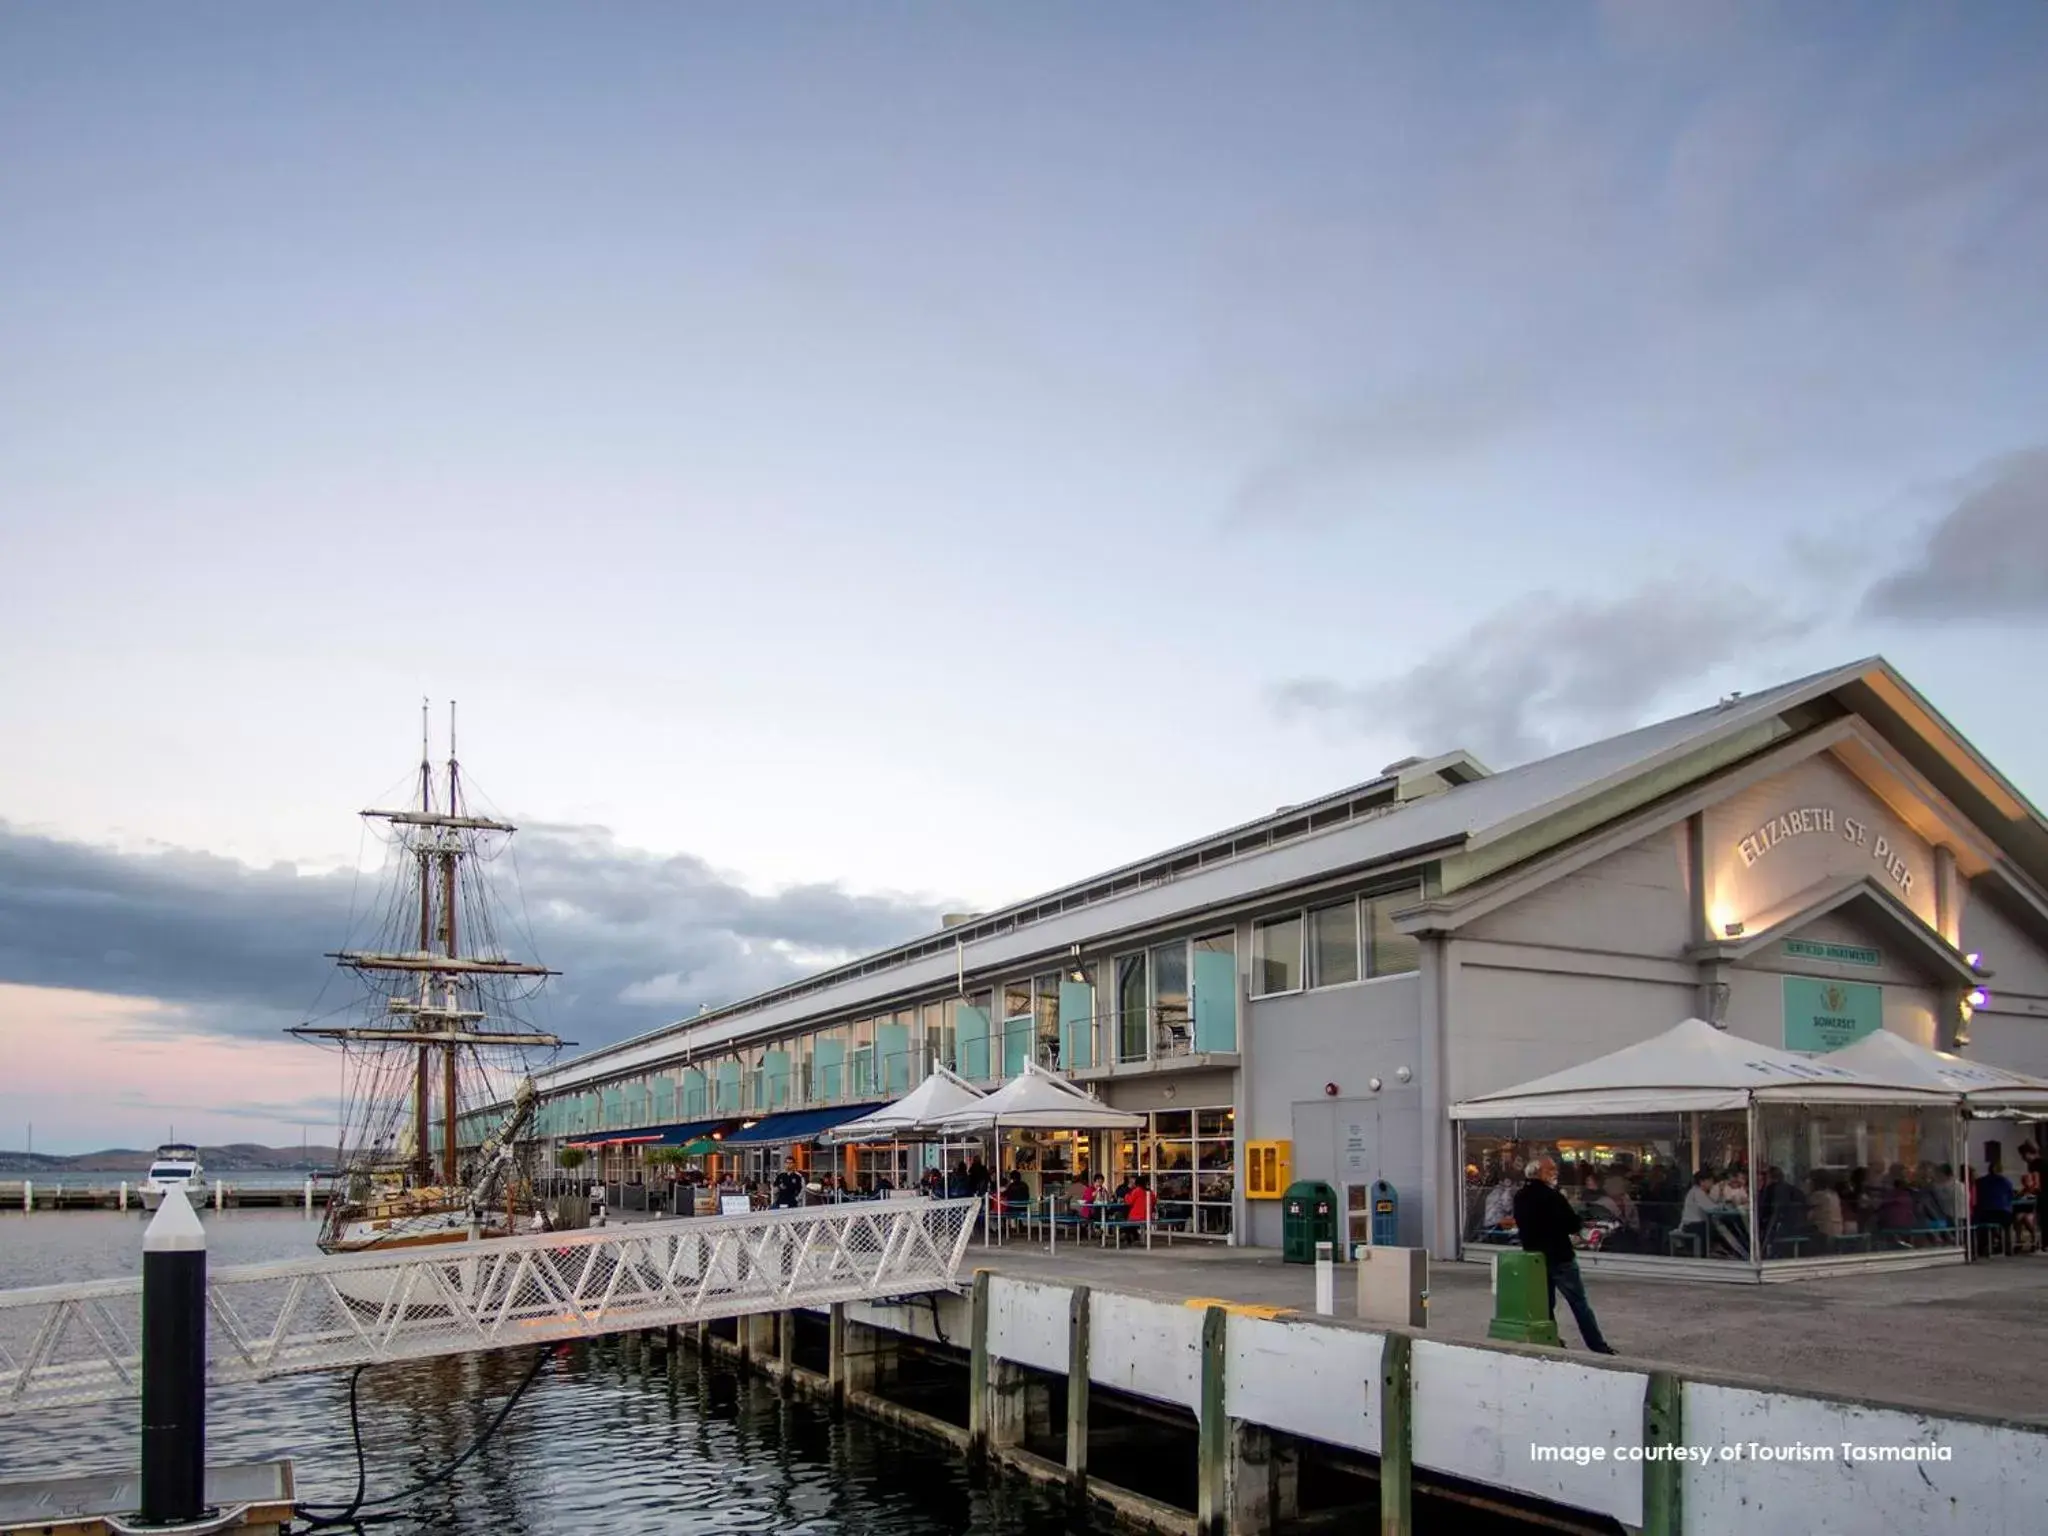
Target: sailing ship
x=436 y=1030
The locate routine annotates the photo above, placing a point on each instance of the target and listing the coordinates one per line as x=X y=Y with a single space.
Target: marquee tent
x=1987 y=1092
x=1694 y=1066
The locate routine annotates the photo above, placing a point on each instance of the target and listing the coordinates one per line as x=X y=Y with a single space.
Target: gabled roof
x=1873 y=900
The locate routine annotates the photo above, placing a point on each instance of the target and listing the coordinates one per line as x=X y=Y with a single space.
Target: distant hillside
x=236 y=1157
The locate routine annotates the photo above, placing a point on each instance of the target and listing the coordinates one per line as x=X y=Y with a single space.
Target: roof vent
x=957 y=919
x=1729 y=700
x=1395 y=767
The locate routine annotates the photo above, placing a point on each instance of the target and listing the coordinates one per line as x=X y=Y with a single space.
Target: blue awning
x=682 y=1135
x=797 y=1125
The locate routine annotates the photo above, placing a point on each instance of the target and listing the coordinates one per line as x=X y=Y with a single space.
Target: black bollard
x=173 y=1364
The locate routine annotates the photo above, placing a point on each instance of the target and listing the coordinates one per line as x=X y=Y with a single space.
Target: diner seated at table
x=1138 y=1202
x=1499 y=1216
x=1824 y=1210
x=1714 y=1224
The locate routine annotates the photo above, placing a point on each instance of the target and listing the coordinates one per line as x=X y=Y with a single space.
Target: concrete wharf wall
x=1265 y=1387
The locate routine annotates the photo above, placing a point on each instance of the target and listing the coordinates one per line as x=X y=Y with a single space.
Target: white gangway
x=81 y=1343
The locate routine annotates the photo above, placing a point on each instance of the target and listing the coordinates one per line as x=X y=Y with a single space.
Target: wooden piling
x=1213 y=1431
x=835 y=1357
x=1077 y=1392
x=1397 y=1442
x=1663 y=1425
x=977 y=1368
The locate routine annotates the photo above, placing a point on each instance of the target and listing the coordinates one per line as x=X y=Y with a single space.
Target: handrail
x=81 y=1343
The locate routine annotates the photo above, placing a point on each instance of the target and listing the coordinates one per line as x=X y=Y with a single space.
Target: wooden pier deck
x=15 y=1195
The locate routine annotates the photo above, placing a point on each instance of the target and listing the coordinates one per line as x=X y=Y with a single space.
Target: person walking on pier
x=1545 y=1222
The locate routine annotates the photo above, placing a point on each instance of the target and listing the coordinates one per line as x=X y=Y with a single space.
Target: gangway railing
x=81 y=1343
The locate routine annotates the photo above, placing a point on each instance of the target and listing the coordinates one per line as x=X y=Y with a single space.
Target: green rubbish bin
x=1308 y=1215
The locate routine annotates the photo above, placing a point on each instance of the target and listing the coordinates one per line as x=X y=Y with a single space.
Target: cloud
x=1549 y=671
x=1427 y=427
x=640 y=938
x=1985 y=558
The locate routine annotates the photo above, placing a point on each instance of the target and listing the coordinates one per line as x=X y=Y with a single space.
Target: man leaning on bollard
x=1545 y=1222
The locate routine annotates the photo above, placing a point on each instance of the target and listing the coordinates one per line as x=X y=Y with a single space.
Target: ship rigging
x=439 y=1030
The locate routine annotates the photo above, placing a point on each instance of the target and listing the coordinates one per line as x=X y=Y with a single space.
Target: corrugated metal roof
x=1473 y=811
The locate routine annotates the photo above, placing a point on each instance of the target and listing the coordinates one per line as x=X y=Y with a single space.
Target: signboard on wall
x=1827 y=1015
x=1358 y=1146
x=1841 y=954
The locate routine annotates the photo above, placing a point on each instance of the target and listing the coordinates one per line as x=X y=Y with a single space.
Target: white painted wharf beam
x=82 y=1343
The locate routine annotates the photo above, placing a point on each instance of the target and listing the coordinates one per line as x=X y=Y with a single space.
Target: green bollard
x=1521 y=1301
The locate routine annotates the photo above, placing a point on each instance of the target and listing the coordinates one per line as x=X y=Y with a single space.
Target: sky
x=852 y=463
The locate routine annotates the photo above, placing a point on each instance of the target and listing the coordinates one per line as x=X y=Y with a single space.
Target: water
x=593 y=1445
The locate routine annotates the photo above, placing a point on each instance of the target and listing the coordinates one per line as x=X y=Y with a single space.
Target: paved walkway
x=1966 y=1338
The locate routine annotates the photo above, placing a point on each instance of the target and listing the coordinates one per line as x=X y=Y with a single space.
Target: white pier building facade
x=1309 y=995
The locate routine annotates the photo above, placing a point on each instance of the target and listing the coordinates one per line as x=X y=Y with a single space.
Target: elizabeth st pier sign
x=1822 y=820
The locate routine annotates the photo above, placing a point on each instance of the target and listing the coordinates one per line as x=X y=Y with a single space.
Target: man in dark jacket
x=1545 y=1222
x=789 y=1186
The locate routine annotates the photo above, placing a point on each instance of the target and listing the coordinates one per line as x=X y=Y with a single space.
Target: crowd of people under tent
x=1631 y=1207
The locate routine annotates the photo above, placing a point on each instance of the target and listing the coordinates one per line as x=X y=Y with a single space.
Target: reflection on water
x=595 y=1444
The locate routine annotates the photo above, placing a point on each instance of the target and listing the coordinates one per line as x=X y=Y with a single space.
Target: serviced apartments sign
x=1827 y=1015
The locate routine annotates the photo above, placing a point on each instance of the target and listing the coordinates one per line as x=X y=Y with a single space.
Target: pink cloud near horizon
x=92 y=1070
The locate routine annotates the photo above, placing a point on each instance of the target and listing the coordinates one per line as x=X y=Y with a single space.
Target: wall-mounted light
x=1977 y=997
x=1974 y=960
x=1076 y=971
x=1403 y=1074
x=1374 y=1084
x=1733 y=930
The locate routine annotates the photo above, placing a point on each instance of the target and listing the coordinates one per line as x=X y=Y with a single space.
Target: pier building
x=1314 y=993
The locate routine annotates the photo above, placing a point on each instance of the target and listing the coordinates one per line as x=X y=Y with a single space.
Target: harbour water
x=593 y=1445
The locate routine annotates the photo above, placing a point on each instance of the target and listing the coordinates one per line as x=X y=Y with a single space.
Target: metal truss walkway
x=81 y=1343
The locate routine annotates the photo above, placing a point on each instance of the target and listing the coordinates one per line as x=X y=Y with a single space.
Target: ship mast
x=421 y=1156
x=449 y=1052
x=435 y=1018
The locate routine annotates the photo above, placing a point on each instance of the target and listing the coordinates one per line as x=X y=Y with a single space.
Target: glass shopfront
x=1830 y=1179
x=1052 y=1163
x=1189 y=1158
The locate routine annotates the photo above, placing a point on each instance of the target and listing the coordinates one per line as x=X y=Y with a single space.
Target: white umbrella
x=1039 y=1100
x=918 y=1113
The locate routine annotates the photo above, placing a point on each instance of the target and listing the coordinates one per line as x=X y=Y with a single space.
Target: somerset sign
x=1827 y=1015
x=1822 y=821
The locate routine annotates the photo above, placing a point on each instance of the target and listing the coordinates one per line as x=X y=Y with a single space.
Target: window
x=1046 y=1005
x=860 y=1060
x=1276 y=955
x=1393 y=951
x=1333 y=944
x=1170 y=996
x=1017 y=1026
x=938 y=1034
x=1133 y=1007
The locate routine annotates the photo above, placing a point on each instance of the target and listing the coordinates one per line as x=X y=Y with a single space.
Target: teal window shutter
x=971 y=1025
x=1215 y=1000
x=1077 y=1025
